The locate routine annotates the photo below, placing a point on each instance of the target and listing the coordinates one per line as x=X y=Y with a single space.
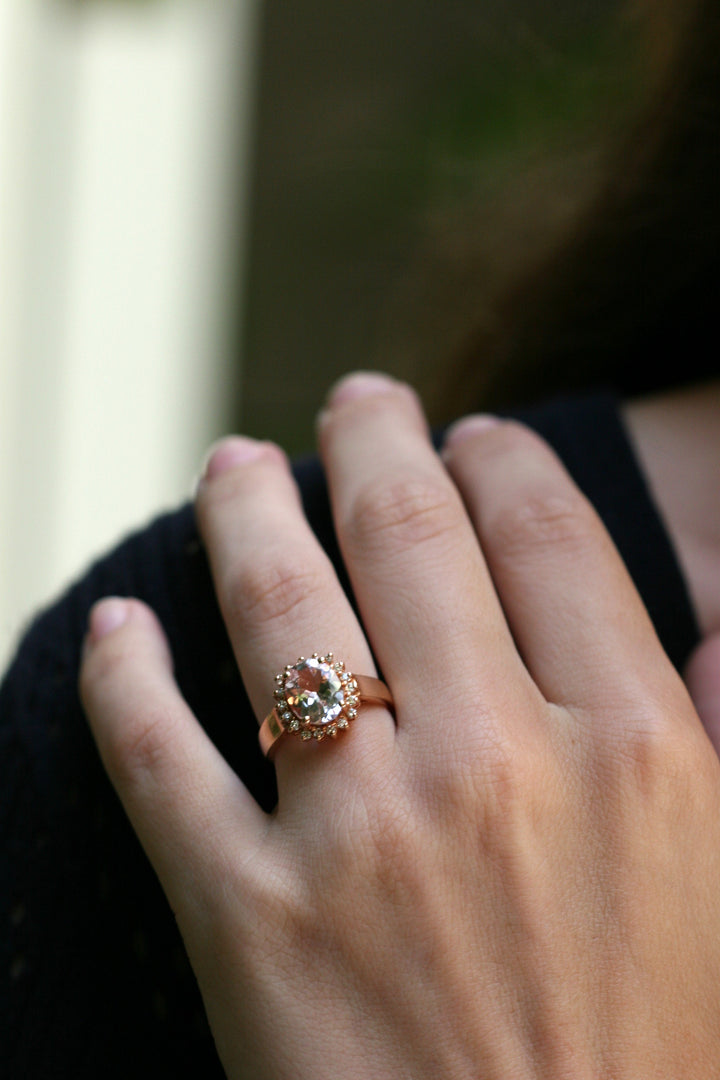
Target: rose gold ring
x=317 y=698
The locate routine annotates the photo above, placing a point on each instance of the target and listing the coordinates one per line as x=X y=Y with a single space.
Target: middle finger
x=426 y=597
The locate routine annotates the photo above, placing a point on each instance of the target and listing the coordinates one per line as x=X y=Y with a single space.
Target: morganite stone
x=314 y=691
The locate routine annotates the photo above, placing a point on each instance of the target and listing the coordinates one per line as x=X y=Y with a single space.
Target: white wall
x=123 y=174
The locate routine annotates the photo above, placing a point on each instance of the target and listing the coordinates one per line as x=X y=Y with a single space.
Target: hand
x=517 y=876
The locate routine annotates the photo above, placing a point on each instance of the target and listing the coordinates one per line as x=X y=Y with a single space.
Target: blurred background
x=210 y=210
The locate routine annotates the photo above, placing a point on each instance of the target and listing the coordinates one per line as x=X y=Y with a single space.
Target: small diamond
x=294 y=725
x=352 y=713
x=342 y=722
x=306 y=734
x=332 y=730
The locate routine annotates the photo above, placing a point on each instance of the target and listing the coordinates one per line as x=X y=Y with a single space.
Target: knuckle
x=543 y=522
x=522 y=782
x=660 y=754
x=401 y=513
x=506 y=782
x=272 y=589
x=391 y=855
x=510 y=779
x=393 y=836
x=666 y=757
x=140 y=747
x=380 y=835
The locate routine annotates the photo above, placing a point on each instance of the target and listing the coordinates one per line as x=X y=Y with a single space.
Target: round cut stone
x=314 y=691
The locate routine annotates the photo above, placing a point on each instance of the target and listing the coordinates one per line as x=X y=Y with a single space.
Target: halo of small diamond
x=316 y=698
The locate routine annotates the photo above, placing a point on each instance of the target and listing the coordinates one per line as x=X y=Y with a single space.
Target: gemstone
x=314 y=691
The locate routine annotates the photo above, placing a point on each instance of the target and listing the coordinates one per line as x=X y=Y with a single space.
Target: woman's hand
x=518 y=875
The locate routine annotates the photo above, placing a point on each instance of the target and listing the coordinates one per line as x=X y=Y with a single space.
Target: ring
x=317 y=698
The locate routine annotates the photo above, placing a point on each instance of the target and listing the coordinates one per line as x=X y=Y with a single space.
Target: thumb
x=702 y=677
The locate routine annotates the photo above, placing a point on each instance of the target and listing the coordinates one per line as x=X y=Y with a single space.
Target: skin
x=677 y=439
x=516 y=876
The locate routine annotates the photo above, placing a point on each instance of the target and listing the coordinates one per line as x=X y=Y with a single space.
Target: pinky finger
x=183 y=800
x=702 y=677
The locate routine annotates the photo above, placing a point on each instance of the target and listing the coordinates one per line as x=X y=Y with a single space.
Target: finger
x=183 y=800
x=572 y=607
x=425 y=595
x=702 y=677
x=280 y=597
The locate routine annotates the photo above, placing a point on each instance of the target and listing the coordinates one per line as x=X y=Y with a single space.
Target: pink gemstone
x=314 y=691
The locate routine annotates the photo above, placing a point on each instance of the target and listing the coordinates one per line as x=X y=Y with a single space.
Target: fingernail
x=469 y=426
x=230 y=452
x=106 y=616
x=360 y=384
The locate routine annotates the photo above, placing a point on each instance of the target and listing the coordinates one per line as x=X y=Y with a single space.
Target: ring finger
x=280 y=597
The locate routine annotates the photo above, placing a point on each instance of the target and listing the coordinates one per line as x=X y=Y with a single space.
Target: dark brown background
x=409 y=157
